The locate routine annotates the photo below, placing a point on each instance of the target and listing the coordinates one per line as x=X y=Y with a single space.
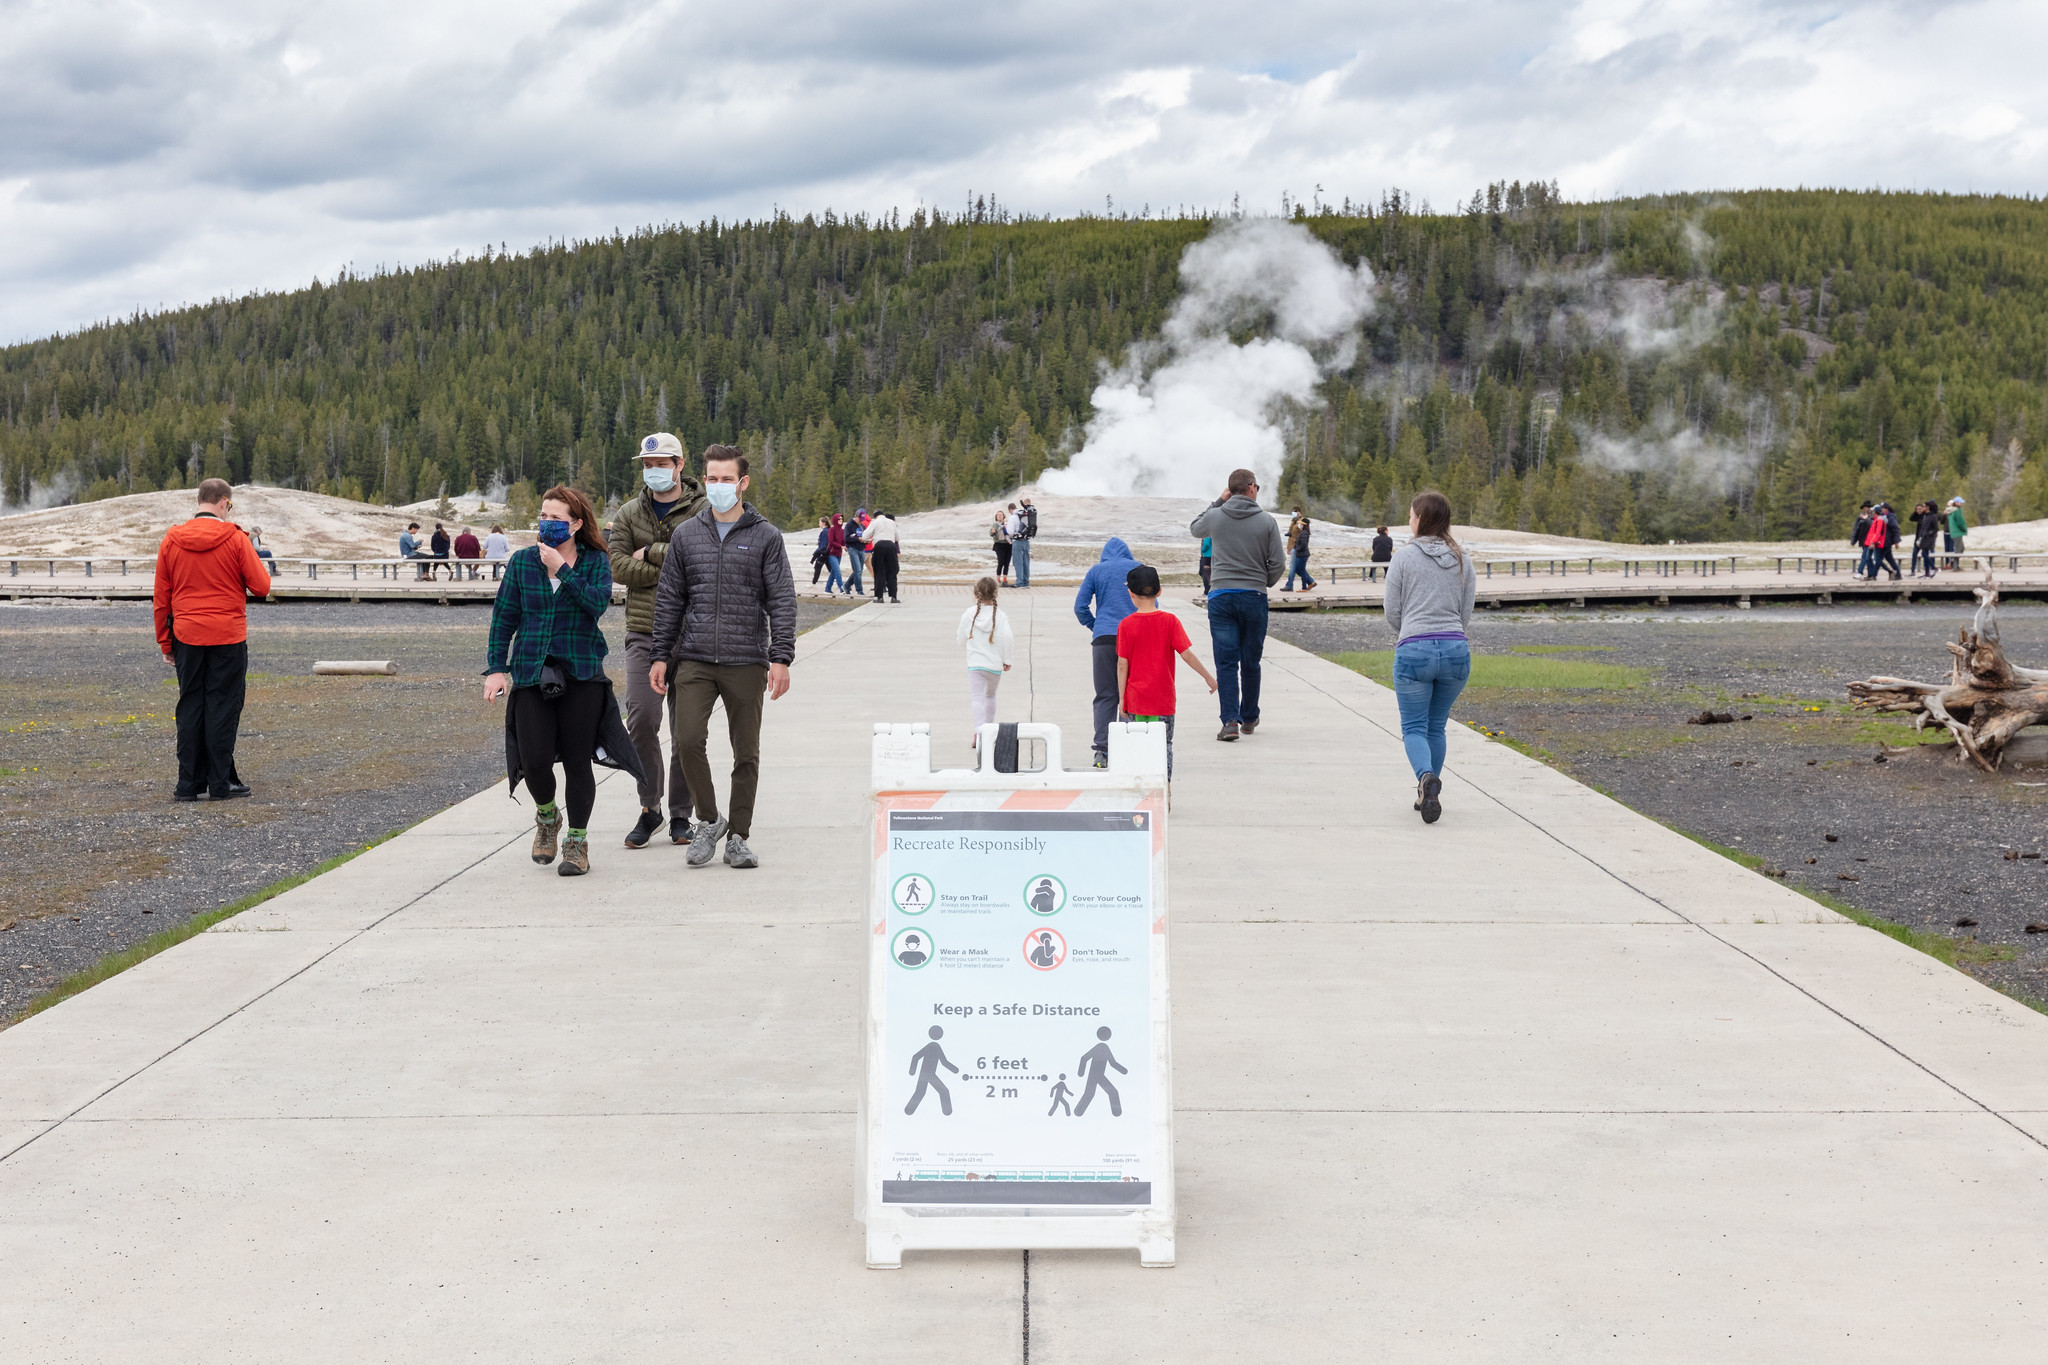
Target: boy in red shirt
x=1146 y=642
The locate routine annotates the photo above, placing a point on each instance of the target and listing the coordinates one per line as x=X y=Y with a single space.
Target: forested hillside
x=1734 y=365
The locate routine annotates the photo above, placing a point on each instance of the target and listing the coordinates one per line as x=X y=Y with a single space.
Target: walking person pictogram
x=1095 y=1063
x=1059 y=1097
x=925 y=1064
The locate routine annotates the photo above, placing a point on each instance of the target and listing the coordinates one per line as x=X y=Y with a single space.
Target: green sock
x=579 y=834
x=546 y=812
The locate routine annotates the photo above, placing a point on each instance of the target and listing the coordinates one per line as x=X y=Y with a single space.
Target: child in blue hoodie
x=1101 y=605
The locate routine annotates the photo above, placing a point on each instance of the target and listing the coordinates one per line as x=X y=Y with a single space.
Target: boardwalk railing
x=425 y=570
x=1666 y=565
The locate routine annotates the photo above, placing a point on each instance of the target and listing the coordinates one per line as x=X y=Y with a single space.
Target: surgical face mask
x=723 y=495
x=657 y=478
x=553 y=532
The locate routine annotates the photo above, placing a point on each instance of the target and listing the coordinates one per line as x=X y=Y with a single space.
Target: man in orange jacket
x=204 y=571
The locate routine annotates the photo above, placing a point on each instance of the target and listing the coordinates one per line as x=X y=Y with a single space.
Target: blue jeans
x=1298 y=564
x=1020 y=562
x=1866 y=566
x=1237 y=635
x=832 y=579
x=858 y=559
x=1428 y=676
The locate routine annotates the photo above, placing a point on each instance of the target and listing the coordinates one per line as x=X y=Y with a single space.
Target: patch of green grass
x=1561 y=649
x=113 y=964
x=1513 y=672
x=1953 y=952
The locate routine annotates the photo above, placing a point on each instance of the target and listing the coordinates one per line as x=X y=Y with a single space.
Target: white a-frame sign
x=1019 y=1091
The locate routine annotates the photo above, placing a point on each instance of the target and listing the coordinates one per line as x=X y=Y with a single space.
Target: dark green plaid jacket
x=532 y=620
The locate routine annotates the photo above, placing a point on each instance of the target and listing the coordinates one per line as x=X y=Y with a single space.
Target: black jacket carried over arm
x=729 y=600
x=614 y=744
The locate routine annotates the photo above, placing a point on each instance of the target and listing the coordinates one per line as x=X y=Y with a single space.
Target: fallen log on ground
x=1986 y=701
x=355 y=667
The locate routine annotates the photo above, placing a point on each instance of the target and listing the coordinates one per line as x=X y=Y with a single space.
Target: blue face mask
x=657 y=478
x=723 y=495
x=553 y=532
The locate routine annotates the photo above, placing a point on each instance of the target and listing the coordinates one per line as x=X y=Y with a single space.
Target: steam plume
x=1183 y=411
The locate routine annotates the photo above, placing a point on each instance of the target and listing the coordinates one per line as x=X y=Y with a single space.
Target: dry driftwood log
x=1986 y=700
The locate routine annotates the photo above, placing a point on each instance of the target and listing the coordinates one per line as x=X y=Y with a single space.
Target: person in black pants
x=885 y=553
x=547 y=651
x=564 y=729
x=206 y=569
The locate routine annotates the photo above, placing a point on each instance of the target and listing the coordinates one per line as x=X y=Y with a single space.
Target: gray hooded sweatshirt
x=1429 y=590
x=1245 y=549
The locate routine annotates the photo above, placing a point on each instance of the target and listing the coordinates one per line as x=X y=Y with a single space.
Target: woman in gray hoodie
x=1430 y=589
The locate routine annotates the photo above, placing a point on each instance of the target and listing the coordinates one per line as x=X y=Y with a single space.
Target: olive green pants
x=696 y=688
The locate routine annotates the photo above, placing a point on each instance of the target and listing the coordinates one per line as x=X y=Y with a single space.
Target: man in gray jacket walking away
x=1247 y=558
x=724 y=631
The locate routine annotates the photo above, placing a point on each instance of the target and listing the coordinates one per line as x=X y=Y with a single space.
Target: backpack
x=1030 y=522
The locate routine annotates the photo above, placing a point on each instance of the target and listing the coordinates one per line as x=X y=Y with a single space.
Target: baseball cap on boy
x=660 y=446
x=1143 y=580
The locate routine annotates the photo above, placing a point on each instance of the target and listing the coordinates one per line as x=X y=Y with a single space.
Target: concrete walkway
x=1544 y=1081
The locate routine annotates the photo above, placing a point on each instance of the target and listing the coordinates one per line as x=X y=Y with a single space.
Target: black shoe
x=230 y=792
x=650 y=821
x=184 y=796
x=679 y=829
x=1432 y=788
x=1245 y=727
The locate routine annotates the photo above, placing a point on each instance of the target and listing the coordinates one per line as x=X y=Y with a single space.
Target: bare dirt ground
x=99 y=856
x=1919 y=839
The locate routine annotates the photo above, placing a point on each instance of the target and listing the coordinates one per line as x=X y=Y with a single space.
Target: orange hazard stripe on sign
x=1039 y=800
x=888 y=801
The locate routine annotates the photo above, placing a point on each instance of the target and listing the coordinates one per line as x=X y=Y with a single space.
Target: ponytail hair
x=1433 y=519
x=984 y=596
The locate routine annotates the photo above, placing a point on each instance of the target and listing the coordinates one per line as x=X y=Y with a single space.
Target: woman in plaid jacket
x=547 y=651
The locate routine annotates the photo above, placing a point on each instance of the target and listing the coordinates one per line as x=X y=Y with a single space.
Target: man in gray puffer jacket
x=724 y=630
x=1246 y=559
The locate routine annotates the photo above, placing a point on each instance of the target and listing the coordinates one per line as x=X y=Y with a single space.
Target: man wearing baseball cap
x=1954 y=526
x=638 y=538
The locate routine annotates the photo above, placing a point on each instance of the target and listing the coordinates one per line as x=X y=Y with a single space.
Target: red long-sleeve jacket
x=205 y=570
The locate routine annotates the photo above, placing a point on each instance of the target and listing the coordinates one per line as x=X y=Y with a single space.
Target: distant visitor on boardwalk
x=205 y=571
x=1101 y=605
x=1247 y=558
x=985 y=630
x=1430 y=590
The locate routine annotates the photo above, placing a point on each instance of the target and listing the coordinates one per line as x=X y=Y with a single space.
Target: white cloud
x=172 y=151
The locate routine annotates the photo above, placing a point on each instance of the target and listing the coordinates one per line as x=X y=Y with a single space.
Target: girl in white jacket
x=986 y=633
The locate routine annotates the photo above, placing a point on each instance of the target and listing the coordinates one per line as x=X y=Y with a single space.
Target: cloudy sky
x=161 y=153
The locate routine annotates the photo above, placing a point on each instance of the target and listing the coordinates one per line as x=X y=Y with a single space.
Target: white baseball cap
x=660 y=446
x=1955 y=502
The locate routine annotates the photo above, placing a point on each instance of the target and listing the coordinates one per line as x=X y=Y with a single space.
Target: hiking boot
x=1230 y=730
x=575 y=855
x=650 y=821
x=1245 y=727
x=704 y=841
x=679 y=827
x=1430 y=806
x=737 y=854
x=546 y=830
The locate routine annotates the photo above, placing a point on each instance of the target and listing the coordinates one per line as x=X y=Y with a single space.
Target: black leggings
x=565 y=728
